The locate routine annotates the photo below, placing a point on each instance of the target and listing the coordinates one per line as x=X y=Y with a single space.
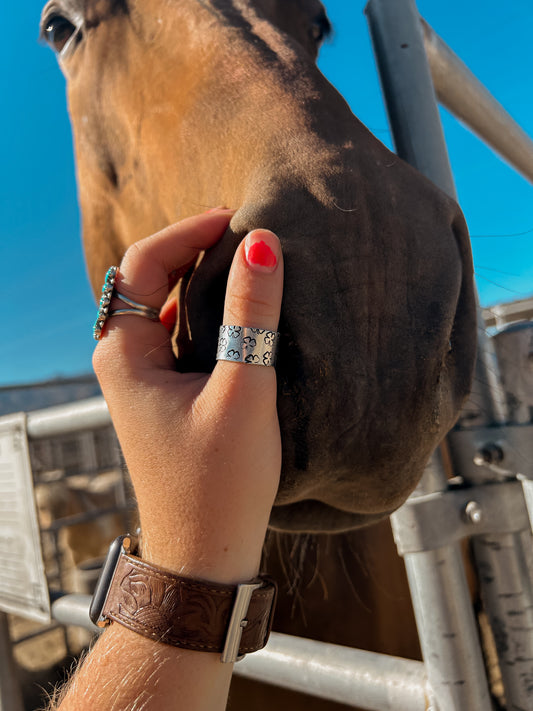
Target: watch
x=231 y=620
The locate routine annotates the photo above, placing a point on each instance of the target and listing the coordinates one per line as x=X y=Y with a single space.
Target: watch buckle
x=238 y=622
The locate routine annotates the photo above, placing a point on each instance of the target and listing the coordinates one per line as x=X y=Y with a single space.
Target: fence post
x=444 y=615
x=505 y=561
x=445 y=619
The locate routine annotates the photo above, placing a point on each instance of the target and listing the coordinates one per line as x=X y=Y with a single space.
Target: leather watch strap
x=187 y=613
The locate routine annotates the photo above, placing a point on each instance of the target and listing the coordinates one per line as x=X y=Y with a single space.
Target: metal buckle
x=238 y=622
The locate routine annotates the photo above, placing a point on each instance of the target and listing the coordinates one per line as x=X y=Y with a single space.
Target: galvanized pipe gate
x=489 y=504
x=492 y=453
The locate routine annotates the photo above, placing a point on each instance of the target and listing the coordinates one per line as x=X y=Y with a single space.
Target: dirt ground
x=43 y=661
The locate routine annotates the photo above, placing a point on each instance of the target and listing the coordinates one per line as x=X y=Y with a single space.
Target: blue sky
x=48 y=307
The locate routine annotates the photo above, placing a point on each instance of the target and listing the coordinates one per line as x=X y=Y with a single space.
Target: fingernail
x=169 y=314
x=219 y=209
x=259 y=253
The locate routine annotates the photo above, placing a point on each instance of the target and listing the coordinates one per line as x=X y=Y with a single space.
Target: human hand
x=203 y=451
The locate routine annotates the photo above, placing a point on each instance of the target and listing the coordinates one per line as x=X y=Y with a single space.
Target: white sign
x=23 y=585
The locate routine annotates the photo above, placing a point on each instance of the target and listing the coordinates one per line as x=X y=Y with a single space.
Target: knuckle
x=99 y=359
x=134 y=252
x=103 y=359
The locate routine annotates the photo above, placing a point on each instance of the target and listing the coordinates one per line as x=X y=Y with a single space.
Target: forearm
x=126 y=671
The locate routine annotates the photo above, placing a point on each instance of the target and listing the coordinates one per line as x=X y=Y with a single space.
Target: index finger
x=144 y=278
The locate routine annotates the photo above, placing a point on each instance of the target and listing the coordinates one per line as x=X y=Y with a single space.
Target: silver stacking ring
x=242 y=344
x=108 y=292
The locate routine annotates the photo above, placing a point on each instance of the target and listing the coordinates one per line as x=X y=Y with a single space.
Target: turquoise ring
x=108 y=292
x=105 y=301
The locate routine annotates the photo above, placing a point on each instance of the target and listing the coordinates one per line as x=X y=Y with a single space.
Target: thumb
x=253 y=299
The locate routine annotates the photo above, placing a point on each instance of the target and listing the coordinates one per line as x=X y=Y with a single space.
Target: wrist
x=214 y=555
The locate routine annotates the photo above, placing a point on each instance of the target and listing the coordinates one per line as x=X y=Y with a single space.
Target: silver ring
x=108 y=291
x=133 y=312
x=148 y=311
x=243 y=344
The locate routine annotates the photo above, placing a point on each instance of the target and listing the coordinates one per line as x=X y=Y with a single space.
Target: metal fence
x=486 y=503
x=64 y=493
x=492 y=452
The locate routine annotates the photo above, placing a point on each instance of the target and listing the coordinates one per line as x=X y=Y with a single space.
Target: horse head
x=181 y=105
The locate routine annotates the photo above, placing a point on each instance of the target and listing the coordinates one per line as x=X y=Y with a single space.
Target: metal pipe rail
x=469 y=101
x=65 y=419
x=504 y=314
x=377 y=682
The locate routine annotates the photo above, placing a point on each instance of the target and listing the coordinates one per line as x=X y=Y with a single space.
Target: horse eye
x=57 y=32
x=321 y=29
x=317 y=32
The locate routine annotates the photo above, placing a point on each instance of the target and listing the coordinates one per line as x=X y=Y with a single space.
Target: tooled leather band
x=186 y=613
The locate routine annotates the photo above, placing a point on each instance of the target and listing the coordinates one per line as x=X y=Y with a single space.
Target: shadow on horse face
x=180 y=106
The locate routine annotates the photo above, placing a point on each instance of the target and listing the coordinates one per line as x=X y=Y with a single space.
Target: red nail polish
x=169 y=314
x=259 y=254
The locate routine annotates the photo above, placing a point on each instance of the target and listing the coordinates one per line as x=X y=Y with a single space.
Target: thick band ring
x=242 y=344
x=108 y=292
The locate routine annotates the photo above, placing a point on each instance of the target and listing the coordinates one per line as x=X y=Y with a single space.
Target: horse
x=181 y=106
